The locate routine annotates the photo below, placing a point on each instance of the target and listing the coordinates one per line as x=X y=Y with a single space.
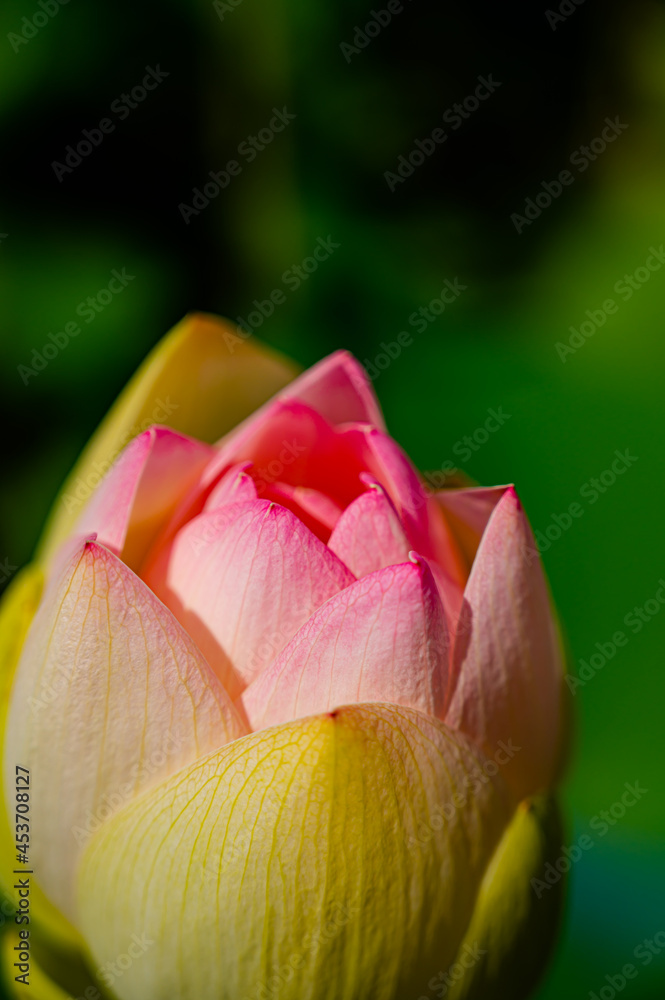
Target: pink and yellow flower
x=292 y=719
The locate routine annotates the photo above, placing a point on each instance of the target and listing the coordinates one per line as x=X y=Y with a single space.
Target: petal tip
x=512 y=495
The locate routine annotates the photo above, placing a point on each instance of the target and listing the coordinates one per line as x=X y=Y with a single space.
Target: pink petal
x=507 y=666
x=369 y=535
x=382 y=639
x=140 y=491
x=242 y=580
x=338 y=388
x=111 y=696
x=235 y=486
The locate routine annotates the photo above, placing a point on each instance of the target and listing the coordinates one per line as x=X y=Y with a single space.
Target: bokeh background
x=225 y=67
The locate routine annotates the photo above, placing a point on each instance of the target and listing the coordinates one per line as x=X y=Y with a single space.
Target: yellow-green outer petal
x=314 y=859
x=201 y=379
x=17 y=610
x=514 y=923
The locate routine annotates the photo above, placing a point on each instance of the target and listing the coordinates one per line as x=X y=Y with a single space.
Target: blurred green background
x=228 y=66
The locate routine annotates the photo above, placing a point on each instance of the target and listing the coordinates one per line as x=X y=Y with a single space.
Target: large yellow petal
x=514 y=924
x=337 y=857
x=201 y=379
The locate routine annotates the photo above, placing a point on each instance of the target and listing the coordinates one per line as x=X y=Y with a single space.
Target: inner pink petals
x=141 y=490
x=298 y=447
x=293 y=447
x=313 y=454
x=369 y=536
x=382 y=639
x=242 y=579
